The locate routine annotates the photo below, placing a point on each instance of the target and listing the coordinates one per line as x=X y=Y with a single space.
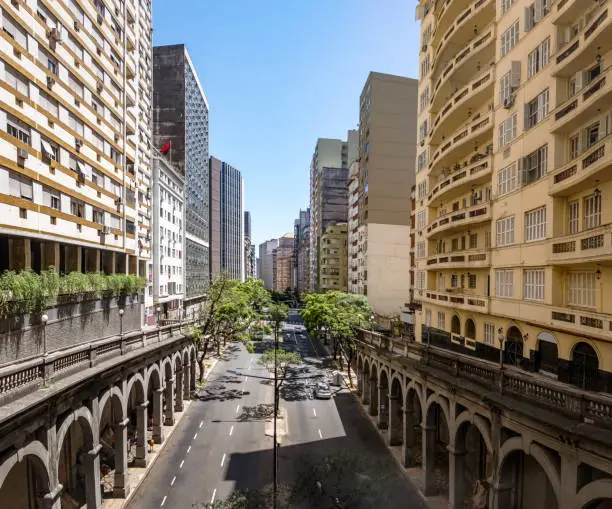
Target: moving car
x=322 y=391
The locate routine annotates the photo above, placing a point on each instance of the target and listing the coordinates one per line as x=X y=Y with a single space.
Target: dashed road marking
x=231 y=431
x=201 y=424
x=314 y=412
x=212 y=500
x=223 y=459
x=195 y=436
x=182 y=463
x=173 y=481
x=237 y=408
x=188 y=449
x=320 y=434
x=246 y=379
x=163 y=501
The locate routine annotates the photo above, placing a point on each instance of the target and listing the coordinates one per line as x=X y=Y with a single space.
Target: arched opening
x=513 y=347
x=436 y=438
x=456 y=325
x=25 y=484
x=413 y=432
x=602 y=503
x=75 y=466
x=374 y=391
x=470 y=329
x=524 y=483
x=547 y=358
x=155 y=397
x=585 y=366
x=473 y=463
x=383 y=398
x=186 y=376
x=396 y=413
x=178 y=375
x=168 y=393
x=359 y=375
x=113 y=439
x=365 y=381
x=193 y=363
x=137 y=433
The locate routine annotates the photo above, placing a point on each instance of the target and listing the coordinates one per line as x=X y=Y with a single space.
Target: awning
x=47 y=148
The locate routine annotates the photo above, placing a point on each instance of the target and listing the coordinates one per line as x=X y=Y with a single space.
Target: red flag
x=165 y=148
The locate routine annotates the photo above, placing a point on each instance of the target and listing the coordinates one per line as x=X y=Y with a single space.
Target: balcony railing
x=529 y=387
x=474 y=258
x=458 y=300
x=589 y=245
x=475 y=214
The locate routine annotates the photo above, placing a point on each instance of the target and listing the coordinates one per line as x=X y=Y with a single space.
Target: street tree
x=278 y=314
x=282 y=360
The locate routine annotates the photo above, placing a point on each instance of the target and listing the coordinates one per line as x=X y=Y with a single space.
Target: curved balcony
x=474 y=258
x=460 y=219
x=584 y=105
x=477 y=53
x=472 y=96
x=478 y=172
x=584 y=171
x=460 y=144
x=585 y=46
x=455 y=299
x=446 y=13
x=588 y=246
x=459 y=34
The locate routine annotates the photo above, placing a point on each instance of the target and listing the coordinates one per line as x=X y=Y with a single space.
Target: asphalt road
x=220 y=444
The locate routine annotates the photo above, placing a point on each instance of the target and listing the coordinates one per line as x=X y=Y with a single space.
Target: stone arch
x=596 y=490
x=456 y=325
x=167 y=373
x=83 y=416
x=34 y=450
x=187 y=374
x=365 y=381
x=413 y=433
x=584 y=366
x=193 y=364
x=396 y=410
x=547 y=352
x=383 y=397
x=117 y=400
x=437 y=426
x=141 y=388
x=513 y=346
x=177 y=361
x=153 y=377
x=442 y=402
x=470 y=329
x=374 y=389
x=480 y=422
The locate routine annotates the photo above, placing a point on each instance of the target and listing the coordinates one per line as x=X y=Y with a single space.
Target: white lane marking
x=250 y=362
x=320 y=434
x=195 y=436
x=231 y=431
x=182 y=463
x=173 y=481
x=188 y=449
x=223 y=459
x=237 y=408
x=314 y=412
x=163 y=501
x=212 y=500
x=246 y=379
x=201 y=424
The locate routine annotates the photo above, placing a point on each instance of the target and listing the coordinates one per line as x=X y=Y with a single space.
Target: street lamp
x=44 y=319
x=500 y=338
x=121 y=311
x=158 y=314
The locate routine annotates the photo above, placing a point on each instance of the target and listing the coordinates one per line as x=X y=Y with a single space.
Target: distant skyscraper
x=282 y=258
x=180 y=116
x=301 y=253
x=249 y=249
x=266 y=269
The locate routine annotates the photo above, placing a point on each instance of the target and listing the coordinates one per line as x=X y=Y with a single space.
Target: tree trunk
x=202 y=356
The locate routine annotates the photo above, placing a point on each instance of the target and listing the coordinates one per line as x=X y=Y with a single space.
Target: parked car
x=322 y=391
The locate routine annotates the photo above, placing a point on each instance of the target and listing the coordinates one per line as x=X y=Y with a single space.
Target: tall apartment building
x=513 y=245
x=226 y=220
x=387 y=152
x=355 y=235
x=334 y=258
x=329 y=159
x=75 y=180
x=282 y=263
x=249 y=249
x=301 y=254
x=168 y=248
x=266 y=266
x=180 y=117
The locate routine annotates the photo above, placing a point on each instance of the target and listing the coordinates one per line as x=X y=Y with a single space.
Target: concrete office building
x=180 y=116
x=76 y=172
x=249 y=249
x=168 y=248
x=333 y=258
x=226 y=220
x=380 y=192
x=513 y=254
x=335 y=155
x=301 y=255
x=266 y=269
x=282 y=263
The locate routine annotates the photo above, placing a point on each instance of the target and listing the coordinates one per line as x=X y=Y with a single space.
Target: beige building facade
x=282 y=263
x=333 y=256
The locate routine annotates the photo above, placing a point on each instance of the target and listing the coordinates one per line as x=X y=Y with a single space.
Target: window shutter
x=578 y=81
x=528 y=19
x=515 y=74
x=14 y=185
x=538 y=10
x=26 y=188
x=419 y=12
x=526 y=116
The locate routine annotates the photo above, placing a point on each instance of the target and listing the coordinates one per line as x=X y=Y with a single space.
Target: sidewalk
x=138 y=474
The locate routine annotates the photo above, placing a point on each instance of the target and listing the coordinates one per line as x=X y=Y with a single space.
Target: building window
x=489 y=334
x=115 y=222
x=75 y=85
x=533 y=281
x=425 y=66
x=535 y=165
x=423 y=130
x=573 y=217
x=49 y=104
x=77 y=208
x=535 y=224
x=473 y=241
x=592 y=211
x=472 y=281
x=51 y=198
x=20 y=186
x=420 y=280
x=505 y=89
x=16 y=80
x=76 y=124
x=47 y=60
x=98 y=216
x=428 y=318
x=18 y=129
x=422 y=160
x=504 y=283
x=130 y=227
x=507 y=130
x=536 y=110
x=424 y=99
x=505 y=231
x=441 y=320
x=420 y=250
x=14 y=30
x=534 y=13
x=506 y=180
x=454 y=281
x=509 y=38
x=420 y=220
x=422 y=190
x=581 y=289
x=538 y=58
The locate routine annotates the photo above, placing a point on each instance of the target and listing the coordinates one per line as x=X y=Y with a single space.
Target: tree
x=284 y=360
x=278 y=314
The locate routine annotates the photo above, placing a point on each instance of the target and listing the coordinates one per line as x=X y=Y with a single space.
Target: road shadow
x=259 y=412
x=221 y=394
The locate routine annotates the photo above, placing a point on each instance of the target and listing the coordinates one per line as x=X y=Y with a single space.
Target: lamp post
x=500 y=338
x=44 y=319
x=121 y=311
x=158 y=314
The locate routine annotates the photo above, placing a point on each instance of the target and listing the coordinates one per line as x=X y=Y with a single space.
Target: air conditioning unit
x=99 y=87
x=50 y=81
x=106 y=230
x=77 y=27
x=78 y=143
x=22 y=153
x=509 y=102
x=100 y=19
x=56 y=34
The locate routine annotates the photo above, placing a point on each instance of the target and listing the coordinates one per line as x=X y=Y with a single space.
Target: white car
x=322 y=391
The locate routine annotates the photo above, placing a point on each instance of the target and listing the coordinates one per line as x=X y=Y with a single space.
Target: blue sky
x=278 y=74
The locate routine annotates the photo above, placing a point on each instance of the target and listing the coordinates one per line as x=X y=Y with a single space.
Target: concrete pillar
x=169 y=400
x=93 y=496
x=122 y=476
x=383 y=414
x=360 y=384
x=569 y=479
x=186 y=381
x=178 y=399
x=456 y=482
x=52 y=499
x=373 y=397
x=395 y=420
x=51 y=255
x=410 y=437
x=141 y=435
x=20 y=254
x=501 y=496
x=158 y=406
x=192 y=378
x=429 y=460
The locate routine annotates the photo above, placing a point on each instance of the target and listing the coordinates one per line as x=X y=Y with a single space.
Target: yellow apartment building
x=334 y=258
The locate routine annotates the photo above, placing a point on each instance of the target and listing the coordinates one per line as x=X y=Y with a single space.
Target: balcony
x=475 y=258
x=565 y=12
x=464 y=65
x=583 y=106
x=460 y=144
x=476 y=173
x=461 y=32
x=460 y=219
x=588 y=246
x=457 y=300
x=585 y=45
x=446 y=13
x=584 y=171
x=472 y=96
